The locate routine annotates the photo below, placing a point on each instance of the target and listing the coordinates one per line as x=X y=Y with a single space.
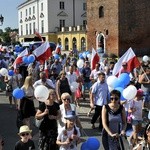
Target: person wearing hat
x=69 y=136
x=25 y=143
x=135 y=109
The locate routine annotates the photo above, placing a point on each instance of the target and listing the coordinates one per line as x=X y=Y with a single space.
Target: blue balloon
x=56 y=56
x=118 y=83
x=84 y=146
x=25 y=59
x=10 y=72
x=81 y=56
x=20 y=49
x=18 y=93
x=31 y=58
x=124 y=78
x=93 y=143
x=87 y=52
x=17 y=49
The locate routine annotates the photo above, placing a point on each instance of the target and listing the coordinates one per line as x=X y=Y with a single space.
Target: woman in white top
x=67 y=108
x=135 y=108
x=26 y=103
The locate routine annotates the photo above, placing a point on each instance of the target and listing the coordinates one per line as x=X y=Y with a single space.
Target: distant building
x=52 y=18
x=114 y=26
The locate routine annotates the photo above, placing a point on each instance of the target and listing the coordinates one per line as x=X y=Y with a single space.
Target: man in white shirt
x=44 y=81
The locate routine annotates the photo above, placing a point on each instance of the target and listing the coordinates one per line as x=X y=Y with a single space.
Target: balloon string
x=84 y=133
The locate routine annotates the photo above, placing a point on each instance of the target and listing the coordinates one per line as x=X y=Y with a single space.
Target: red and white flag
x=130 y=58
x=38 y=35
x=43 y=52
x=58 y=49
x=19 y=60
x=94 y=59
x=46 y=69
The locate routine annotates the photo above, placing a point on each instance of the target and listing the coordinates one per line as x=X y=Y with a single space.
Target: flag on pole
x=43 y=52
x=19 y=60
x=46 y=69
x=130 y=58
x=94 y=58
x=58 y=49
x=38 y=35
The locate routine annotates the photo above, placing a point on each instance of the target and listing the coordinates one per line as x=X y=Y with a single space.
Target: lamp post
x=1 y=20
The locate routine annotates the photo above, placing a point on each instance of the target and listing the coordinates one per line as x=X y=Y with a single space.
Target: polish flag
x=46 y=69
x=19 y=60
x=94 y=59
x=43 y=52
x=38 y=35
x=58 y=49
x=130 y=58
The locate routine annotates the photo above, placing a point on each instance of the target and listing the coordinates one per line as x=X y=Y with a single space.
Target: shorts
x=136 y=122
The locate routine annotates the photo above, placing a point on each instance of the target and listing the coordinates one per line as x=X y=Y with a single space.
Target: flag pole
x=145 y=74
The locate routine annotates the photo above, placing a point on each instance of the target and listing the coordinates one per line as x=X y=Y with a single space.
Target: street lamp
x=1 y=20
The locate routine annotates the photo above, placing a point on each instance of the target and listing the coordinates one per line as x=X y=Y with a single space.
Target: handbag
x=38 y=122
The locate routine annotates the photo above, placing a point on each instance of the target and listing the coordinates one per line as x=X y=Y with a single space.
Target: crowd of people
x=60 y=126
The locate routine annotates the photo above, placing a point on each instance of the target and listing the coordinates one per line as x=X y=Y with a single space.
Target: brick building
x=114 y=26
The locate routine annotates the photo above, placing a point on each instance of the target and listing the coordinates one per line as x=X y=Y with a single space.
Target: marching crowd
x=59 y=123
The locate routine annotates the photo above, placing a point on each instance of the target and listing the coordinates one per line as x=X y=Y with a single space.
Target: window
x=62 y=23
x=33 y=26
x=41 y=6
x=62 y=5
x=30 y=30
x=21 y=14
x=33 y=9
x=29 y=11
x=74 y=43
x=21 y=30
x=84 y=6
x=26 y=12
x=42 y=26
x=101 y=11
x=84 y=23
x=66 y=44
x=26 y=29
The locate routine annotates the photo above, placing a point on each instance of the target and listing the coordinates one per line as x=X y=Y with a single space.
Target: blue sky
x=8 y=9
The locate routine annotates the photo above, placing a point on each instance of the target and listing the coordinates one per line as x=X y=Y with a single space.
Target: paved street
x=8 y=127
x=9 y=131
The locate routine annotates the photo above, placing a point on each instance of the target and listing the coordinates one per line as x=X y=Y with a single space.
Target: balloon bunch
x=92 y=143
x=28 y=59
x=84 y=55
x=121 y=84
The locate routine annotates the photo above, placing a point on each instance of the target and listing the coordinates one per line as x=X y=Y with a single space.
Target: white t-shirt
x=62 y=120
x=62 y=137
x=137 y=115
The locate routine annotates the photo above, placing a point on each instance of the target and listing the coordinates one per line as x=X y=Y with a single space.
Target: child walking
x=25 y=143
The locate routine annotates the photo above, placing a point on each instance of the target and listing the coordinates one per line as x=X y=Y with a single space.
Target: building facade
x=50 y=18
x=114 y=26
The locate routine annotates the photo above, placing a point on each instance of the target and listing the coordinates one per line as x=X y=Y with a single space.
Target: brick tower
x=115 y=25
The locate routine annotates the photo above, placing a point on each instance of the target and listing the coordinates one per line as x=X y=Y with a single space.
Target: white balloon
x=111 y=81
x=145 y=58
x=41 y=93
x=89 y=56
x=75 y=84
x=149 y=115
x=110 y=88
x=130 y=92
x=4 y=72
x=80 y=63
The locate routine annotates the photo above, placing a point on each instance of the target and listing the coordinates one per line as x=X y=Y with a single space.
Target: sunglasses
x=66 y=99
x=23 y=134
x=114 y=98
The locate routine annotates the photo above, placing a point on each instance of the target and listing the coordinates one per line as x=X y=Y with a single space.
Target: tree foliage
x=5 y=35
